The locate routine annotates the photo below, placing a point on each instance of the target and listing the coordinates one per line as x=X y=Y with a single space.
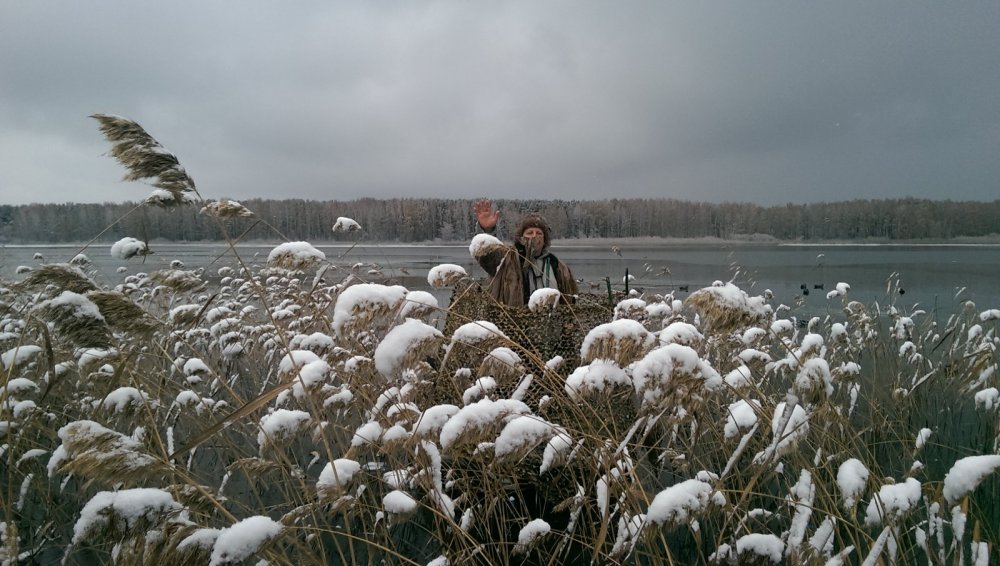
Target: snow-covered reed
x=258 y=417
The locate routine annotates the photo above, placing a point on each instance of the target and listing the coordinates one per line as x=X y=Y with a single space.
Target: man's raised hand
x=485 y=215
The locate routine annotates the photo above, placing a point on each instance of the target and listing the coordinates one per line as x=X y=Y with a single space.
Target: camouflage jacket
x=509 y=283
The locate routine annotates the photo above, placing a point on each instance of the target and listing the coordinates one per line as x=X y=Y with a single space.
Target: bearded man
x=518 y=270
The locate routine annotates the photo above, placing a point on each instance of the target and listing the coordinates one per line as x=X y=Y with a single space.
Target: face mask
x=533 y=245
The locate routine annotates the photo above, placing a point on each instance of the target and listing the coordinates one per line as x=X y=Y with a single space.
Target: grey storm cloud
x=766 y=102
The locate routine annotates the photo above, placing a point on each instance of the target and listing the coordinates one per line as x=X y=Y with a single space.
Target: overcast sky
x=766 y=102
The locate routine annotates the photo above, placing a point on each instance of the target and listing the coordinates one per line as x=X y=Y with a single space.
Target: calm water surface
x=933 y=276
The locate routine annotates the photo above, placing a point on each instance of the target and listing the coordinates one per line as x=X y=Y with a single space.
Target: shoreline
x=640 y=241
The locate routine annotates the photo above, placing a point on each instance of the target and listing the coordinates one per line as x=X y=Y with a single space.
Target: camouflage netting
x=536 y=336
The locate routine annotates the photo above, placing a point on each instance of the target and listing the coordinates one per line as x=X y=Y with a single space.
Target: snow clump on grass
x=364 y=303
x=404 y=345
x=200 y=540
x=310 y=376
x=432 y=419
x=672 y=370
x=622 y=340
x=482 y=387
x=476 y=332
x=337 y=474
x=967 y=474
x=473 y=419
x=74 y=304
x=178 y=279
x=852 y=477
x=295 y=255
x=368 y=433
x=595 y=378
x=988 y=399
x=399 y=503
x=739 y=378
x=557 y=452
x=789 y=425
x=76 y=317
x=123 y=398
x=756 y=546
x=814 y=382
x=726 y=306
x=633 y=308
x=295 y=360
x=530 y=534
x=922 y=437
x=483 y=244
x=195 y=366
x=244 y=539
x=445 y=275
x=893 y=502
x=345 y=224
x=989 y=314
x=19 y=355
x=225 y=208
x=680 y=504
x=281 y=426
x=90 y=449
x=681 y=333
x=742 y=416
x=840 y=291
x=543 y=298
x=128 y=247
x=121 y=511
x=17 y=387
x=418 y=304
x=522 y=434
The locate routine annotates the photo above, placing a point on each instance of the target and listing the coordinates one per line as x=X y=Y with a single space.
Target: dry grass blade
x=246 y=410
x=145 y=158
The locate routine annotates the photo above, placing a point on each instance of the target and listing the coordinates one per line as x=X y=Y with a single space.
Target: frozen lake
x=934 y=276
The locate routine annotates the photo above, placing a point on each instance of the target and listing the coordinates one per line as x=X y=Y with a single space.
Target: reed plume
x=145 y=158
x=63 y=276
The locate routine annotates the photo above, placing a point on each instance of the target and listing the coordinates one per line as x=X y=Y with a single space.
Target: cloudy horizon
x=767 y=102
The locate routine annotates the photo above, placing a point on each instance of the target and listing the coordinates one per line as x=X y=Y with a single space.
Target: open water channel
x=935 y=277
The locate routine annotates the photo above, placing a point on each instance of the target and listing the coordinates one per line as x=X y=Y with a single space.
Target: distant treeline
x=414 y=220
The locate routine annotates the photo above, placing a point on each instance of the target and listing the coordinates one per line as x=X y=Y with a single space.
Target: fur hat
x=535 y=220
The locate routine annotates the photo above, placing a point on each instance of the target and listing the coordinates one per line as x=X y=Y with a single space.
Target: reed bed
x=277 y=413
